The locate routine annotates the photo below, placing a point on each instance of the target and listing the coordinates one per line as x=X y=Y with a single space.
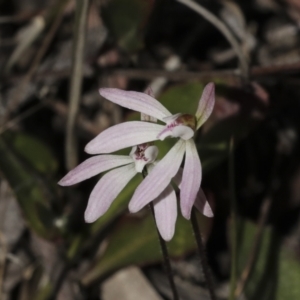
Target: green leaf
x=244 y=246
x=289 y=274
x=182 y=98
x=135 y=241
x=126 y=20
x=213 y=146
x=276 y=272
x=118 y=207
x=34 y=152
x=32 y=193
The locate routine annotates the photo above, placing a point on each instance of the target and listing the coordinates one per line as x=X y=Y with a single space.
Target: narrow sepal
x=202 y=204
x=191 y=179
x=93 y=166
x=106 y=190
x=123 y=135
x=137 y=101
x=206 y=104
x=165 y=210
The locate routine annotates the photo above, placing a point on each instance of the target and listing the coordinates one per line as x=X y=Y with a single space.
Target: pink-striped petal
x=191 y=179
x=93 y=166
x=178 y=178
x=106 y=191
x=122 y=136
x=158 y=179
x=206 y=104
x=137 y=101
x=202 y=204
x=165 y=210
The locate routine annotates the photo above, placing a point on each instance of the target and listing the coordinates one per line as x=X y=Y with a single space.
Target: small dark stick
x=203 y=258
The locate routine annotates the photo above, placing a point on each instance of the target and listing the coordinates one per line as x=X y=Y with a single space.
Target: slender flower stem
x=164 y=251
x=203 y=258
x=167 y=262
x=233 y=223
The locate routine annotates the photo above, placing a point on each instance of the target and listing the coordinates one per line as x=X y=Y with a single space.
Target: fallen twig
x=76 y=82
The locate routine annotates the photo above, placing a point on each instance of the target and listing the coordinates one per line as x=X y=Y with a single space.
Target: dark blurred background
x=46 y=249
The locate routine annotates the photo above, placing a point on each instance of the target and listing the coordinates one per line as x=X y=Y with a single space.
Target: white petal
x=165 y=210
x=106 y=191
x=206 y=104
x=93 y=166
x=191 y=179
x=178 y=177
x=202 y=204
x=123 y=135
x=158 y=179
x=136 y=101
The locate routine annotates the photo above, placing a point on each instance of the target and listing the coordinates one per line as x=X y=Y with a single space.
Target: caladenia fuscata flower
x=182 y=126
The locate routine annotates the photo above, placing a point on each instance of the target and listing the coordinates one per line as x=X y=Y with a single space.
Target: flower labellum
x=142 y=155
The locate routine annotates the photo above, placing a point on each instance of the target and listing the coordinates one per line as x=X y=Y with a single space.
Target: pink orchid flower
x=182 y=126
x=156 y=186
